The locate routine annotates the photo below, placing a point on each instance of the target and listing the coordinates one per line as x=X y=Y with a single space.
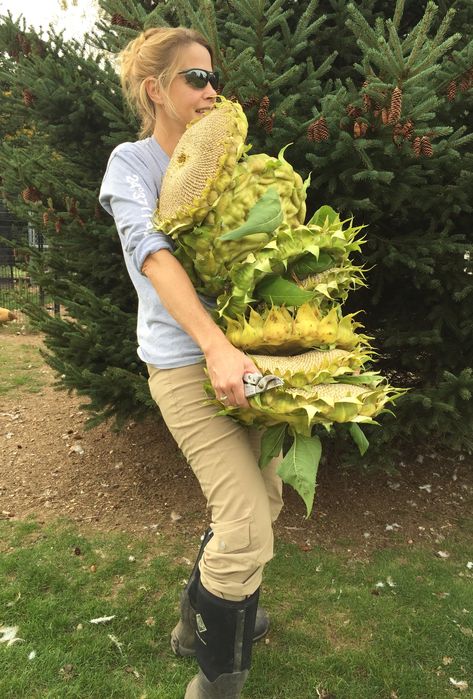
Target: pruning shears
x=255 y=383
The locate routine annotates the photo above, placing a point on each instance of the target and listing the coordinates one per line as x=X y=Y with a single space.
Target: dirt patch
x=138 y=481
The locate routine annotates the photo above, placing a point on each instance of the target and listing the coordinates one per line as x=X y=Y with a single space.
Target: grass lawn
x=21 y=366
x=396 y=626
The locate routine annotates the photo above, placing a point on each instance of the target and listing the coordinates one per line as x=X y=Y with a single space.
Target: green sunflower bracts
x=280 y=283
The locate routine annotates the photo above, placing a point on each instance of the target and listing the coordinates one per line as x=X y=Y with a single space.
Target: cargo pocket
x=230 y=537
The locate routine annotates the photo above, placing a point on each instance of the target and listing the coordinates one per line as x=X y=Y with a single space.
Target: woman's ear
x=153 y=91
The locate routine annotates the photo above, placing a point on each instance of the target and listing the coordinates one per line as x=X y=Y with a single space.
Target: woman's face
x=188 y=101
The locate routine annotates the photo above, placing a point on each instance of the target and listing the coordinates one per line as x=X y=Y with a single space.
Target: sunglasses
x=198 y=78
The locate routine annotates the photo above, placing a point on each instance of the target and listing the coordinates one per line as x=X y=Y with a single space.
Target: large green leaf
x=310 y=264
x=299 y=467
x=264 y=217
x=271 y=443
x=321 y=215
x=359 y=437
x=279 y=291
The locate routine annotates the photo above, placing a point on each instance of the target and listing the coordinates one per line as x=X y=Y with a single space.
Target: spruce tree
x=376 y=100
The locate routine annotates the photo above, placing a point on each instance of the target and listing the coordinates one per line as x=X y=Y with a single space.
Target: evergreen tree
x=376 y=101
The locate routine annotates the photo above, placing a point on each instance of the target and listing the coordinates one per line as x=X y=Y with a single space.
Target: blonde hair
x=153 y=54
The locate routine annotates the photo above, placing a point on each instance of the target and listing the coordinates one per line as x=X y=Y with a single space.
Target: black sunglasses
x=198 y=78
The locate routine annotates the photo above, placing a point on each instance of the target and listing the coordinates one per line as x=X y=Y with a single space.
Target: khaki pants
x=243 y=499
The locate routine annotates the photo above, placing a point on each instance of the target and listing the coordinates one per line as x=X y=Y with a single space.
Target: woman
x=167 y=77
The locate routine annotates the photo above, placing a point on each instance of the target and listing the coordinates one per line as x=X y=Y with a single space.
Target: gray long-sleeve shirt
x=129 y=192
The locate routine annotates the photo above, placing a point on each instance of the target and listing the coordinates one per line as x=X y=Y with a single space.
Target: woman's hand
x=226 y=365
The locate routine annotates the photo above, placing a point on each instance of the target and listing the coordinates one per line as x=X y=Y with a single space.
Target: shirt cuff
x=149 y=244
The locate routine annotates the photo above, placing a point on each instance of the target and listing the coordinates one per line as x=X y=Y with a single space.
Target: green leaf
x=358 y=437
x=299 y=467
x=320 y=216
x=279 y=291
x=271 y=443
x=309 y=264
x=264 y=217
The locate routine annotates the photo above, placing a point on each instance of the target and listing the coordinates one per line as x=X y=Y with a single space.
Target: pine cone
x=250 y=102
x=359 y=128
x=416 y=146
x=353 y=111
x=264 y=104
x=451 y=90
x=24 y=44
x=311 y=132
x=31 y=194
x=366 y=98
x=263 y=111
x=321 y=130
x=396 y=106
x=268 y=123
x=426 y=147
x=28 y=98
x=466 y=81
x=408 y=129
x=120 y=21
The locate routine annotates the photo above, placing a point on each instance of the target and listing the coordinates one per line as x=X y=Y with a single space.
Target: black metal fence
x=16 y=285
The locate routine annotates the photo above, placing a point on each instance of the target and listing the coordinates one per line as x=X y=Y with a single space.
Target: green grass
x=21 y=367
x=329 y=631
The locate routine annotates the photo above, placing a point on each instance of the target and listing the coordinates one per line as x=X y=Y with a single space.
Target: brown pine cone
x=311 y=132
x=359 y=128
x=396 y=106
x=451 y=90
x=31 y=194
x=321 y=130
x=28 y=97
x=268 y=123
x=353 y=111
x=264 y=104
x=366 y=98
x=408 y=129
x=426 y=147
x=416 y=146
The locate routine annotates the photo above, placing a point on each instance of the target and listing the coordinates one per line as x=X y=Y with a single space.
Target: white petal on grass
x=469 y=565
x=392 y=527
x=102 y=619
x=32 y=655
x=459 y=684
x=390 y=581
x=443 y=554
x=8 y=635
x=116 y=642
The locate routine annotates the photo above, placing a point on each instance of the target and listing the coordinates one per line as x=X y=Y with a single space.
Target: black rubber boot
x=183 y=642
x=183 y=634
x=224 y=642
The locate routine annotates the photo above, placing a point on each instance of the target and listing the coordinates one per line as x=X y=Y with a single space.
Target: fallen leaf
x=427 y=487
x=459 y=684
x=443 y=554
x=175 y=516
x=466 y=631
x=76 y=449
x=102 y=619
x=8 y=635
x=132 y=671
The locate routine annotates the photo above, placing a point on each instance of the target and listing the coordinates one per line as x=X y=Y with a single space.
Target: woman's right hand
x=226 y=365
